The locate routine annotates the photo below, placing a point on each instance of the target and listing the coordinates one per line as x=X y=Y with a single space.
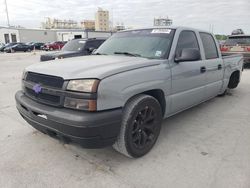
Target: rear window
x=238 y=40
x=209 y=45
x=74 y=45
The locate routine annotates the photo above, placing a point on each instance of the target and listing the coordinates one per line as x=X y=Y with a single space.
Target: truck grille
x=46 y=80
x=43 y=97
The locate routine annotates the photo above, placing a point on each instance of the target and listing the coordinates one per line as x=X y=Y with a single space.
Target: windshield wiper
x=99 y=54
x=128 y=54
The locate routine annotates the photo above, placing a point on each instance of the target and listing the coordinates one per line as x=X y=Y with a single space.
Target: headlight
x=88 y=85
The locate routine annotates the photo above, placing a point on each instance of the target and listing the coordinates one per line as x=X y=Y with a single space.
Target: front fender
x=114 y=91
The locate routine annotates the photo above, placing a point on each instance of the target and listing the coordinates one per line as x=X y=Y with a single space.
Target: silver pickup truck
x=119 y=95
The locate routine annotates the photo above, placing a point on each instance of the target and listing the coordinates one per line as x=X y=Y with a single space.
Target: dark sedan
x=36 y=45
x=18 y=48
x=73 y=48
x=7 y=45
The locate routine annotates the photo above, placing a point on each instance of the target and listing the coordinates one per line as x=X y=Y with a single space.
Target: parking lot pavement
x=206 y=146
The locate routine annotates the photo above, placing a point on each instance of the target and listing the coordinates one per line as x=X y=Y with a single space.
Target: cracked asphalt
x=207 y=146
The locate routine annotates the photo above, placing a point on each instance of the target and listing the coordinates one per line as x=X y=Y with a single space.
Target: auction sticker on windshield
x=167 y=31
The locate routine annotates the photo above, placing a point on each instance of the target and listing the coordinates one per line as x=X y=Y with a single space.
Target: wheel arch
x=158 y=94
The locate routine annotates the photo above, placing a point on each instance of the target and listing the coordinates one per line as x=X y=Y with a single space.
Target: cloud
x=225 y=15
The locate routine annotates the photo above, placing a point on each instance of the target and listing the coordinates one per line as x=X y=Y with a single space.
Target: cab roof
x=166 y=27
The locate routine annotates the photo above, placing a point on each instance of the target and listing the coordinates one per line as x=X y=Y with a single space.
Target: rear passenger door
x=214 y=65
x=188 y=77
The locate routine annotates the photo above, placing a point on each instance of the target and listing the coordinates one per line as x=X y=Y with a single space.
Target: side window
x=187 y=39
x=209 y=45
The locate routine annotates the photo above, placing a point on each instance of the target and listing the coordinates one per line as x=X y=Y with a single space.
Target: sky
x=221 y=15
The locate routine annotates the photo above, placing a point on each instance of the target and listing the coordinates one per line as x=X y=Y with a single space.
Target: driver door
x=188 y=77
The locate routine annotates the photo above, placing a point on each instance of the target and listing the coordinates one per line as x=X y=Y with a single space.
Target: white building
x=46 y=35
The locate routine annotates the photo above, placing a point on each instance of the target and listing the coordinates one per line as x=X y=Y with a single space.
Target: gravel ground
x=206 y=146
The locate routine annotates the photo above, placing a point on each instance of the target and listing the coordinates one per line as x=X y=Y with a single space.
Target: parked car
x=120 y=95
x=36 y=45
x=45 y=44
x=2 y=45
x=237 y=44
x=18 y=48
x=7 y=45
x=54 y=46
x=73 y=48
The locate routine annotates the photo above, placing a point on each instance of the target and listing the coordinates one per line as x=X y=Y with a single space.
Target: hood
x=60 y=53
x=94 y=66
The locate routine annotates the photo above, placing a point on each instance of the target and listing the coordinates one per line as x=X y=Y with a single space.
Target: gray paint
x=123 y=77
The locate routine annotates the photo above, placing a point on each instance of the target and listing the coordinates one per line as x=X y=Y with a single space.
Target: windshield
x=74 y=45
x=148 y=43
x=241 y=40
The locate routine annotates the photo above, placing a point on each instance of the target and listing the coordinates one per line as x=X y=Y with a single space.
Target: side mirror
x=188 y=54
x=93 y=51
x=90 y=50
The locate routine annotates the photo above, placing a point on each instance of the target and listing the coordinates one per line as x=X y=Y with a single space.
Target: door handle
x=203 y=69
x=219 y=66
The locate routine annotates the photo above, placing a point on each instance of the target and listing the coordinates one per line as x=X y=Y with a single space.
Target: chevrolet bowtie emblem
x=37 y=88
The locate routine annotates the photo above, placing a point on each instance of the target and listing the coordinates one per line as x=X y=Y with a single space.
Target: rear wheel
x=234 y=80
x=141 y=124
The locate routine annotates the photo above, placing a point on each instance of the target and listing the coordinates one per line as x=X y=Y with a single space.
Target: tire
x=140 y=127
x=51 y=49
x=234 y=80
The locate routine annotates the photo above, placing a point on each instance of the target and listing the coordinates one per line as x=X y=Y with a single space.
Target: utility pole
x=7 y=13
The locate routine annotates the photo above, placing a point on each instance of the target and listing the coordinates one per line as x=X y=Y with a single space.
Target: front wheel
x=140 y=128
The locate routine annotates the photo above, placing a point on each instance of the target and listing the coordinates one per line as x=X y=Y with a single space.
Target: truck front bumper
x=89 y=129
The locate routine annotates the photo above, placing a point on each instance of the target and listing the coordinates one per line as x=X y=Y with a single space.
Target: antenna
x=7 y=13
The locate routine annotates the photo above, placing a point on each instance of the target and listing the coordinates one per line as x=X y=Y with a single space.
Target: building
x=119 y=27
x=102 y=20
x=26 y=35
x=59 y=24
x=162 y=21
x=66 y=35
x=88 y=25
x=47 y=35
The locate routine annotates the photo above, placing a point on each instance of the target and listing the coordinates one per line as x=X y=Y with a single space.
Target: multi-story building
x=102 y=20
x=59 y=24
x=88 y=25
x=162 y=21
